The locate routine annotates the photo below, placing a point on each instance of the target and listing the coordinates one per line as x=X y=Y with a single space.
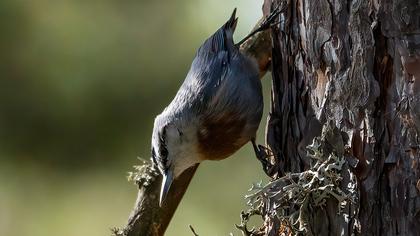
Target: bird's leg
x=263 y=154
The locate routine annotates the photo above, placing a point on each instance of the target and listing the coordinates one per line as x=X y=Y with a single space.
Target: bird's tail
x=231 y=23
x=222 y=39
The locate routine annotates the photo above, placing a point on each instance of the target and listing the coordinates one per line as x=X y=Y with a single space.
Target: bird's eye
x=163 y=151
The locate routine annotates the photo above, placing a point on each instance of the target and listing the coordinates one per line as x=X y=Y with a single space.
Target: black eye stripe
x=154 y=156
x=163 y=150
x=164 y=157
x=162 y=136
x=164 y=132
x=162 y=144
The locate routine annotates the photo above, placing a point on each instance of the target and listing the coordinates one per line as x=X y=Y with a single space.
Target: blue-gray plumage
x=216 y=111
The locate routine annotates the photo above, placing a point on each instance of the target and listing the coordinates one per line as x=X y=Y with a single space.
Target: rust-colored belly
x=220 y=138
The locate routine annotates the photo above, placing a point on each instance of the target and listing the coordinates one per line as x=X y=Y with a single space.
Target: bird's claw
x=270 y=19
x=268 y=22
x=263 y=154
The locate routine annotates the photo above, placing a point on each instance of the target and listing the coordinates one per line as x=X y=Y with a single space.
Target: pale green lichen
x=144 y=174
x=290 y=199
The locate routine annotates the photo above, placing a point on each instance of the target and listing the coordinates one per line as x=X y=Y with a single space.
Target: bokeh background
x=80 y=84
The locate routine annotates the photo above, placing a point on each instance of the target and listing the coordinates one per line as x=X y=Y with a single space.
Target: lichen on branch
x=143 y=175
x=287 y=203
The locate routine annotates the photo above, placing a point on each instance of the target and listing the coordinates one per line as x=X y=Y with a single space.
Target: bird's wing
x=208 y=70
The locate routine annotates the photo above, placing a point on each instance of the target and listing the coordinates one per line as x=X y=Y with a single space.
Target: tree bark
x=349 y=72
x=147 y=217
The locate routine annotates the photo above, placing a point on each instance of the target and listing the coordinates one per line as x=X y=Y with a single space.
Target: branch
x=147 y=218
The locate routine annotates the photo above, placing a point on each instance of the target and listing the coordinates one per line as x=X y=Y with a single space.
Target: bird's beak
x=166 y=184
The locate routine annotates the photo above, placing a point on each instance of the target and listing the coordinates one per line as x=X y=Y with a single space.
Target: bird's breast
x=220 y=136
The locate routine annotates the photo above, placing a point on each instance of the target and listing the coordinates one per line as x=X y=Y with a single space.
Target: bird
x=215 y=112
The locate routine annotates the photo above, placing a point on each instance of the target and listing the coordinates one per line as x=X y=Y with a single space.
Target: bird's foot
x=264 y=155
x=269 y=21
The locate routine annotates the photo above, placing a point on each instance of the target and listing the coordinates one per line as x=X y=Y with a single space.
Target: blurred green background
x=80 y=84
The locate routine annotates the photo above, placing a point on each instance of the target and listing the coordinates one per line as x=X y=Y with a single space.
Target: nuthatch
x=216 y=111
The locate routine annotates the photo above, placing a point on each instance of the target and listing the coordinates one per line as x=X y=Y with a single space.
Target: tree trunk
x=347 y=75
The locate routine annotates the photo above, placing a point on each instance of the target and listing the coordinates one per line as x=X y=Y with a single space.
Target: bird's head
x=173 y=151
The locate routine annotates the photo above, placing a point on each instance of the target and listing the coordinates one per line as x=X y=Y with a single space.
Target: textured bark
x=147 y=217
x=355 y=66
